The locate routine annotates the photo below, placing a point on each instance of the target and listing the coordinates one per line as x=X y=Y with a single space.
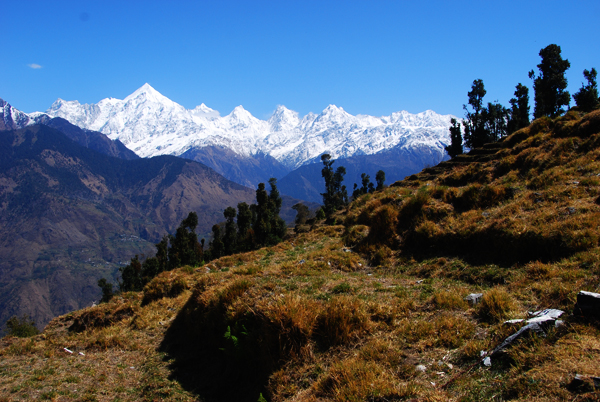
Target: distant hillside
x=70 y=215
x=246 y=170
x=307 y=183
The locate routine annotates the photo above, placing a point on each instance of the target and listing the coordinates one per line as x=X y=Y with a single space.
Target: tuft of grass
x=165 y=284
x=449 y=300
x=356 y=380
x=342 y=288
x=496 y=305
x=292 y=321
x=102 y=316
x=342 y=321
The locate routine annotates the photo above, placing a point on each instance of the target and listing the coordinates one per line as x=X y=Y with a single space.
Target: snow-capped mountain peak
x=148 y=93
x=241 y=117
x=240 y=113
x=283 y=119
x=333 y=110
x=151 y=124
x=12 y=119
x=205 y=111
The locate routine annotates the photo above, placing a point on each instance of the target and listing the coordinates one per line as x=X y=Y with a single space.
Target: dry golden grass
x=496 y=305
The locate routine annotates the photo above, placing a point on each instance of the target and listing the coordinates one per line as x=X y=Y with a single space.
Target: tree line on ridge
x=484 y=124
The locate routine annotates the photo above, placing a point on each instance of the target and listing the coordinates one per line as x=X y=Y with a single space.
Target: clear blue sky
x=369 y=57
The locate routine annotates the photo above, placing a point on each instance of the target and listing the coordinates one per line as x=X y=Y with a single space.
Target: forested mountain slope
x=70 y=215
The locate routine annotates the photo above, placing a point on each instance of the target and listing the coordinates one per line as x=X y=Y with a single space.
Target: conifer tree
x=277 y=224
x=244 y=224
x=456 y=146
x=185 y=248
x=519 y=112
x=131 y=276
x=262 y=223
x=356 y=192
x=380 y=179
x=587 y=97
x=551 y=84
x=217 y=248
x=474 y=122
x=107 y=290
x=366 y=180
x=335 y=195
x=302 y=213
x=162 y=254
x=230 y=239
x=495 y=117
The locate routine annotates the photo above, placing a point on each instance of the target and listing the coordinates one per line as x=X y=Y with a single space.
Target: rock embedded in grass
x=588 y=304
x=474 y=298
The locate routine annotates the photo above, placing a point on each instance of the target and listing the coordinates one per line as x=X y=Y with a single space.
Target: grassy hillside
x=370 y=308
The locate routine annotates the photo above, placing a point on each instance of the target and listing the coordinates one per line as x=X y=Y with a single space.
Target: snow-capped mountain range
x=150 y=124
x=12 y=119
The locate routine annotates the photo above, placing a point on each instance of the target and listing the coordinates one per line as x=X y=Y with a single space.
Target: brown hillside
x=70 y=215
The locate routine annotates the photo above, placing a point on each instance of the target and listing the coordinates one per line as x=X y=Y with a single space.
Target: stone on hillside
x=515 y=321
x=527 y=330
x=474 y=298
x=588 y=304
x=545 y=318
x=539 y=323
x=584 y=384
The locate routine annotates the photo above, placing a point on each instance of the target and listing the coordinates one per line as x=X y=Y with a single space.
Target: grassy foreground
x=370 y=307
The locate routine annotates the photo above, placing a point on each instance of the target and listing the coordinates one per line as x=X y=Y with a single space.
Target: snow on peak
x=147 y=92
x=150 y=124
x=239 y=115
x=12 y=119
x=283 y=119
x=333 y=109
x=204 y=113
x=239 y=110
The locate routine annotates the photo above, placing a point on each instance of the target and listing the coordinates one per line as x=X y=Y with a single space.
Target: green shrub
x=107 y=290
x=21 y=327
x=343 y=287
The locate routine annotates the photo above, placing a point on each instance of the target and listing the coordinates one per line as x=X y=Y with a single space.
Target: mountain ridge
x=13 y=119
x=151 y=124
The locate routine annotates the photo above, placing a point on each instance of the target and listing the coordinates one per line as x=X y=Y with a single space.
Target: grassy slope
x=349 y=311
